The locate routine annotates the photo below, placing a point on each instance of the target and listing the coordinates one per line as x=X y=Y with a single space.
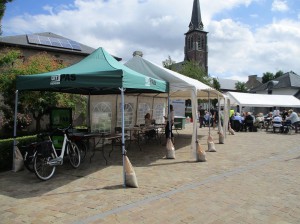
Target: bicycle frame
x=58 y=160
x=46 y=161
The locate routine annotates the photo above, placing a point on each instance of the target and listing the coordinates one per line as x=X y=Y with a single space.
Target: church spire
x=195 y=48
x=196 y=21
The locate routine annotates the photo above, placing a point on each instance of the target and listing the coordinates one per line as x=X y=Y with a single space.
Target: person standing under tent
x=201 y=116
x=167 y=128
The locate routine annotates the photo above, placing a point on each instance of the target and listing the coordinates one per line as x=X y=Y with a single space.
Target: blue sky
x=246 y=37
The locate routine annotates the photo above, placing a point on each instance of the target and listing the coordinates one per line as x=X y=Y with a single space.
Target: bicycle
x=46 y=158
x=29 y=151
x=81 y=143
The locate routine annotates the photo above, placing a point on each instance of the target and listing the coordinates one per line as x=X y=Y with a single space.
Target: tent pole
x=209 y=109
x=194 y=115
x=116 y=114
x=152 y=107
x=169 y=117
x=15 y=127
x=225 y=112
x=89 y=113
x=123 y=139
x=137 y=108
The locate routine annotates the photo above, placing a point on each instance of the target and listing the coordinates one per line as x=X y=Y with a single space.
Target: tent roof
x=179 y=85
x=263 y=100
x=98 y=73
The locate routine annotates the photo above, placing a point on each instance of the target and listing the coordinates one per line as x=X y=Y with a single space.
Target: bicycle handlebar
x=63 y=130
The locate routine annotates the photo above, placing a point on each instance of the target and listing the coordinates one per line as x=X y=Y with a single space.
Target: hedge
x=6 y=150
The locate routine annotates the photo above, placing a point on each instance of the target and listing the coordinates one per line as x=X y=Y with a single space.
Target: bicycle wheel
x=83 y=150
x=42 y=169
x=74 y=154
x=28 y=162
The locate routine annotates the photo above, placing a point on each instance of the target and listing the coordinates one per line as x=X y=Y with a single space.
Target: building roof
x=22 y=41
x=288 y=80
x=227 y=84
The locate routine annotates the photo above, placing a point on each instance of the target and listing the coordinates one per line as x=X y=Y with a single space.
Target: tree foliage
x=192 y=70
x=278 y=74
x=216 y=84
x=241 y=87
x=267 y=76
x=36 y=103
x=2 y=11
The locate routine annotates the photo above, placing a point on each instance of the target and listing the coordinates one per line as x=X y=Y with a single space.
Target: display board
x=179 y=107
x=60 y=117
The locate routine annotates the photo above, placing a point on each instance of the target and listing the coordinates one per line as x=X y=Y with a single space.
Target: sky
x=245 y=37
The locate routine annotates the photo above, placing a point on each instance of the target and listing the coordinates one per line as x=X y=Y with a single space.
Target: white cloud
x=157 y=28
x=280 y=5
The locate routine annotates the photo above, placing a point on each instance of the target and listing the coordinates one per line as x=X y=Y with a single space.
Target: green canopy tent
x=97 y=74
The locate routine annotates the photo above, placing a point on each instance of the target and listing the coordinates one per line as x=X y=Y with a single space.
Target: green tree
x=267 y=77
x=241 y=86
x=278 y=74
x=216 y=84
x=192 y=70
x=2 y=11
x=36 y=103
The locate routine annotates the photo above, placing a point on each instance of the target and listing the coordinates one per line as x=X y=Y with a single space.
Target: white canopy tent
x=180 y=86
x=262 y=100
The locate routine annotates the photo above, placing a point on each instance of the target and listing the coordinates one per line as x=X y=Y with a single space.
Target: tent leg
x=123 y=139
x=89 y=114
x=15 y=127
x=209 y=109
x=169 y=117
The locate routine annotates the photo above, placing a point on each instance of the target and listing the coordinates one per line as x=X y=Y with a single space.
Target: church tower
x=195 y=48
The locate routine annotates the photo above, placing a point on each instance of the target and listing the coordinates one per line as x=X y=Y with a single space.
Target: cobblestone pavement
x=252 y=178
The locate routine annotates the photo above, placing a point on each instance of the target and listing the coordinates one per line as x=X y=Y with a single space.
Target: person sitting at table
x=148 y=120
x=295 y=120
x=277 y=123
x=259 y=120
x=237 y=121
x=150 y=134
x=248 y=122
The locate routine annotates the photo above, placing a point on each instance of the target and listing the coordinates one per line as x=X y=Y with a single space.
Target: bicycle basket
x=45 y=148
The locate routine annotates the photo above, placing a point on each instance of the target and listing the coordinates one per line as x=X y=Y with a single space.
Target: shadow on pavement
x=25 y=184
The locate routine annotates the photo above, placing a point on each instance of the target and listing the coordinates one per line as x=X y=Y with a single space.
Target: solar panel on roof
x=53 y=42
x=33 y=39
x=44 y=40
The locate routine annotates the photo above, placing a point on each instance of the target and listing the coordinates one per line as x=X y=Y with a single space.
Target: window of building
x=188 y=43
x=199 y=42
